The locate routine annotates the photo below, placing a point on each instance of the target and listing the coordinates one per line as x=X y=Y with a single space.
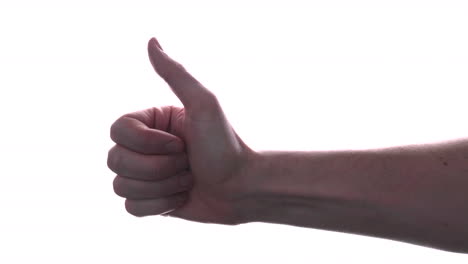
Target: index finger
x=139 y=132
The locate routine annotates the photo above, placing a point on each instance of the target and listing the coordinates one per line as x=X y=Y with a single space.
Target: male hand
x=206 y=153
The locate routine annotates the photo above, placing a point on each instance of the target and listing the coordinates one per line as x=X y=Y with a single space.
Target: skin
x=415 y=194
x=208 y=153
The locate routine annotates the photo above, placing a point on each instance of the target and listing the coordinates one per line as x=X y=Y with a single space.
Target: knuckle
x=210 y=100
x=118 y=186
x=110 y=158
x=131 y=208
x=207 y=108
x=210 y=96
x=213 y=99
x=178 y=68
x=114 y=129
x=113 y=159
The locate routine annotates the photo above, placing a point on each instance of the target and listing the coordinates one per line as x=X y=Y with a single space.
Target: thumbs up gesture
x=183 y=162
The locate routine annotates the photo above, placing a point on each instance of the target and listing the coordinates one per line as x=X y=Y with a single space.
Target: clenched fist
x=183 y=162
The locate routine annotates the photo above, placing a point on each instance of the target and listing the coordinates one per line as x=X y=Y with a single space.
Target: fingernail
x=174 y=146
x=185 y=179
x=157 y=43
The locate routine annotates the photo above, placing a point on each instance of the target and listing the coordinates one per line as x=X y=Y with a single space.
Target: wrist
x=302 y=189
x=387 y=193
x=277 y=187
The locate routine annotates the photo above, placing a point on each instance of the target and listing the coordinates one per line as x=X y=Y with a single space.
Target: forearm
x=416 y=194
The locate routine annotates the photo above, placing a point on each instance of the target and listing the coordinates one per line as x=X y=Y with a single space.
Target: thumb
x=199 y=102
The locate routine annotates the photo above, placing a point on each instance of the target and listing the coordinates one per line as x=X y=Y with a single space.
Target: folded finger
x=155 y=206
x=139 y=190
x=130 y=164
x=144 y=132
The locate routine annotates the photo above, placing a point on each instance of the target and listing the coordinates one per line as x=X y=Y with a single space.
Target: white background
x=290 y=75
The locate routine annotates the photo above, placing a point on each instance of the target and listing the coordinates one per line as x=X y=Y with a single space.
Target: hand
x=206 y=152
